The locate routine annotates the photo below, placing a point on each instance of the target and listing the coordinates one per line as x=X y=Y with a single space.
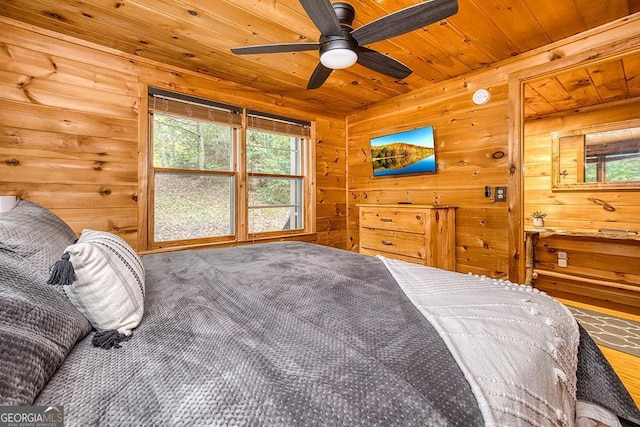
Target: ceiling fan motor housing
x=345 y=12
x=340 y=45
x=336 y=42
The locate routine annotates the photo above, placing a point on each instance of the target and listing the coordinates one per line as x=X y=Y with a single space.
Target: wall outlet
x=501 y=194
x=563 y=259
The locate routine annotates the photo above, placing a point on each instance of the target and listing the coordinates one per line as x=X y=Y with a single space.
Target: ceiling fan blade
x=275 y=48
x=382 y=63
x=323 y=16
x=319 y=76
x=405 y=20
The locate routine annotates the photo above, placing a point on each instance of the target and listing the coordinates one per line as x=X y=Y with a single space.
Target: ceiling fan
x=341 y=46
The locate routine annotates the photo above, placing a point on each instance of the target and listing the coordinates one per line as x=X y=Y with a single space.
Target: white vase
x=538 y=222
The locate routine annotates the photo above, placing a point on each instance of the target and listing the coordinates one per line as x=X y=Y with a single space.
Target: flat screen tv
x=409 y=152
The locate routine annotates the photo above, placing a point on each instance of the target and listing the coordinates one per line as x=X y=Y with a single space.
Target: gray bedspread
x=272 y=334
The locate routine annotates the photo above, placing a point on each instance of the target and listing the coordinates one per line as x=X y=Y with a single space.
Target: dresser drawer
x=394 y=242
x=393 y=219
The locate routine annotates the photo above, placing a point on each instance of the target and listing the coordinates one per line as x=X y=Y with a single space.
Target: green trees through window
x=197 y=189
x=275 y=184
x=187 y=204
x=184 y=143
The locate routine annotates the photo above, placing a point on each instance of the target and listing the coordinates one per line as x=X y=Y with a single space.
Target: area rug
x=609 y=331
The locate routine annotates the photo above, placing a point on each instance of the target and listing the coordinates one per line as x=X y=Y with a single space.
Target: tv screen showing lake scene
x=408 y=152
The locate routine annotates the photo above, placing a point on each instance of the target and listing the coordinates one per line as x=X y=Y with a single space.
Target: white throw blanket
x=516 y=346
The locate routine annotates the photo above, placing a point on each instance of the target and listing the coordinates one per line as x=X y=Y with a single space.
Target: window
x=213 y=179
x=274 y=166
x=612 y=156
x=602 y=157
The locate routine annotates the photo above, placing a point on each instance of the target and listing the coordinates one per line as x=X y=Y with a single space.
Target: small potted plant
x=538 y=218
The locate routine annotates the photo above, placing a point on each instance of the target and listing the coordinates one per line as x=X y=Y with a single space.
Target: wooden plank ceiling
x=604 y=82
x=198 y=35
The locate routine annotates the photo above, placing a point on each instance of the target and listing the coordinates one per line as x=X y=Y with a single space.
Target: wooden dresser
x=423 y=234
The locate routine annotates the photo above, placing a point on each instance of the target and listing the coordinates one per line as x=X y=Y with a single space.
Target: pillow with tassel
x=104 y=279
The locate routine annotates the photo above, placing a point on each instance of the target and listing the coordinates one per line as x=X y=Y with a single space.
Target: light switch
x=563 y=259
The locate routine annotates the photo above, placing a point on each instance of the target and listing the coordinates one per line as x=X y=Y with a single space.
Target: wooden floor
x=626 y=366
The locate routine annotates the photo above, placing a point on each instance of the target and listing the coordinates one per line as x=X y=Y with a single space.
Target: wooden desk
x=601 y=265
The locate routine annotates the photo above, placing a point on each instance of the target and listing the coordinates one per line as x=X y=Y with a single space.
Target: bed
x=294 y=333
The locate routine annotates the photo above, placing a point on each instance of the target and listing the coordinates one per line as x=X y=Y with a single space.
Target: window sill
x=305 y=237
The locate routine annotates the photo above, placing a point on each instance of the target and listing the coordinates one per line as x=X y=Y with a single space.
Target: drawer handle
x=387 y=242
x=386 y=219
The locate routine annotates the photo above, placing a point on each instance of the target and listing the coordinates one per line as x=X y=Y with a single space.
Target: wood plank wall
x=470 y=142
x=471 y=148
x=573 y=209
x=70 y=121
x=600 y=271
x=69 y=126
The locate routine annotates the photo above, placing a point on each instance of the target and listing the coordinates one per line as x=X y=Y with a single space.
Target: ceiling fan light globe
x=338 y=59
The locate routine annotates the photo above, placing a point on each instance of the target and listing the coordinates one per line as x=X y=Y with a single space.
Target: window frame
x=240 y=176
x=302 y=176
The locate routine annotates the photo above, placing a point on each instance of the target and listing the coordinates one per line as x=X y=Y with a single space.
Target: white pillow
x=109 y=282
